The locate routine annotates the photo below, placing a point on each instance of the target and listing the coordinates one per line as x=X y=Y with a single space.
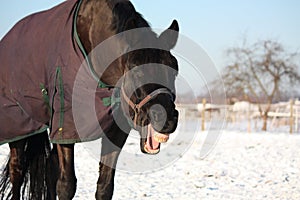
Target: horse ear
x=170 y=36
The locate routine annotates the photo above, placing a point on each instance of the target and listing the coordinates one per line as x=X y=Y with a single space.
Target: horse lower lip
x=151 y=143
x=150 y=151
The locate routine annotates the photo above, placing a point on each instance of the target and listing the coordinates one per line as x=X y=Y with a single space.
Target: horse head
x=148 y=88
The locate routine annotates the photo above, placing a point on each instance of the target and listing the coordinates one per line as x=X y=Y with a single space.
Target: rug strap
x=114 y=100
x=82 y=49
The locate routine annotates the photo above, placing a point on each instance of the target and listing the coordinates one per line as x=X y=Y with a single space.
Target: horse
x=40 y=58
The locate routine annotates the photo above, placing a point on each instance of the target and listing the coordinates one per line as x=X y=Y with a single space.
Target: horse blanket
x=39 y=62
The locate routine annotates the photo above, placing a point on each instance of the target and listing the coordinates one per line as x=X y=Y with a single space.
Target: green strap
x=109 y=101
x=59 y=83
x=114 y=100
x=78 y=41
x=61 y=97
x=106 y=101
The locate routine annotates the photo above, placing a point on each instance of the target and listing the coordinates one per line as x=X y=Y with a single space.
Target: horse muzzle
x=163 y=120
x=157 y=132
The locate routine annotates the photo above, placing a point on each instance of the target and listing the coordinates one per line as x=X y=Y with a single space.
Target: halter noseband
x=137 y=107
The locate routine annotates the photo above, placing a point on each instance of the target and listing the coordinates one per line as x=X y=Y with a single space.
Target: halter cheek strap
x=137 y=107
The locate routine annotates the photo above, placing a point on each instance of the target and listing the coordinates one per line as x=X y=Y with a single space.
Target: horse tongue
x=154 y=139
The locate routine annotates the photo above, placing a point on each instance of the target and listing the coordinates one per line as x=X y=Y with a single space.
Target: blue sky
x=214 y=25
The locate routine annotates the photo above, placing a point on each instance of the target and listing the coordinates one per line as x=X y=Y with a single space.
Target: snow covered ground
x=241 y=166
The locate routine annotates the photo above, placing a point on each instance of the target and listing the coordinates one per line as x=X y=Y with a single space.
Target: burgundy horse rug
x=39 y=62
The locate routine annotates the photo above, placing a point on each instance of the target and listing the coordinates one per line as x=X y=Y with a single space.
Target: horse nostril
x=154 y=115
x=158 y=116
x=158 y=113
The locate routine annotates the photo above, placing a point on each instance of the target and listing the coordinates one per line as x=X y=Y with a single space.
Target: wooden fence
x=282 y=114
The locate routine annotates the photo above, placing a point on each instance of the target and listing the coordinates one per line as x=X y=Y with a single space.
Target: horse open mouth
x=150 y=143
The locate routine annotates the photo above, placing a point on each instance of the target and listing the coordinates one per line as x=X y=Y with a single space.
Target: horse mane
x=123 y=14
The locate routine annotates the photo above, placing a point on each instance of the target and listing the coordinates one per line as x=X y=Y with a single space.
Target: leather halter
x=137 y=107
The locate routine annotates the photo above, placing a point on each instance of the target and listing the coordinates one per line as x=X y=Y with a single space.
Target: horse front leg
x=111 y=148
x=66 y=184
x=16 y=167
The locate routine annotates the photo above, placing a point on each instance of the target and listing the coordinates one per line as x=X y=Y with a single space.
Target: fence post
x=296 y=119
x=291 y=116
x=203 y=114
x=249 y=118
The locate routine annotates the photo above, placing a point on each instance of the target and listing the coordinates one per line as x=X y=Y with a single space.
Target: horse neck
x=97 y=21
x=94 y=25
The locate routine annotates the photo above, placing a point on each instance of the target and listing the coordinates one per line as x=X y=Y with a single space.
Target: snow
x=241 y=165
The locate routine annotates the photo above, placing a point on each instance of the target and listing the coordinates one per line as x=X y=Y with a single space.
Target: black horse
x=35 y=94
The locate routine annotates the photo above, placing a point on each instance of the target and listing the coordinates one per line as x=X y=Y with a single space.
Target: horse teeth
x=160 y=139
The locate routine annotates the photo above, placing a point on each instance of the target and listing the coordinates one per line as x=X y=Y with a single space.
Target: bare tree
x=261 y=71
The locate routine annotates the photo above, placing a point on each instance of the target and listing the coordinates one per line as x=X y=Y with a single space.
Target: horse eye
x=140 y=74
